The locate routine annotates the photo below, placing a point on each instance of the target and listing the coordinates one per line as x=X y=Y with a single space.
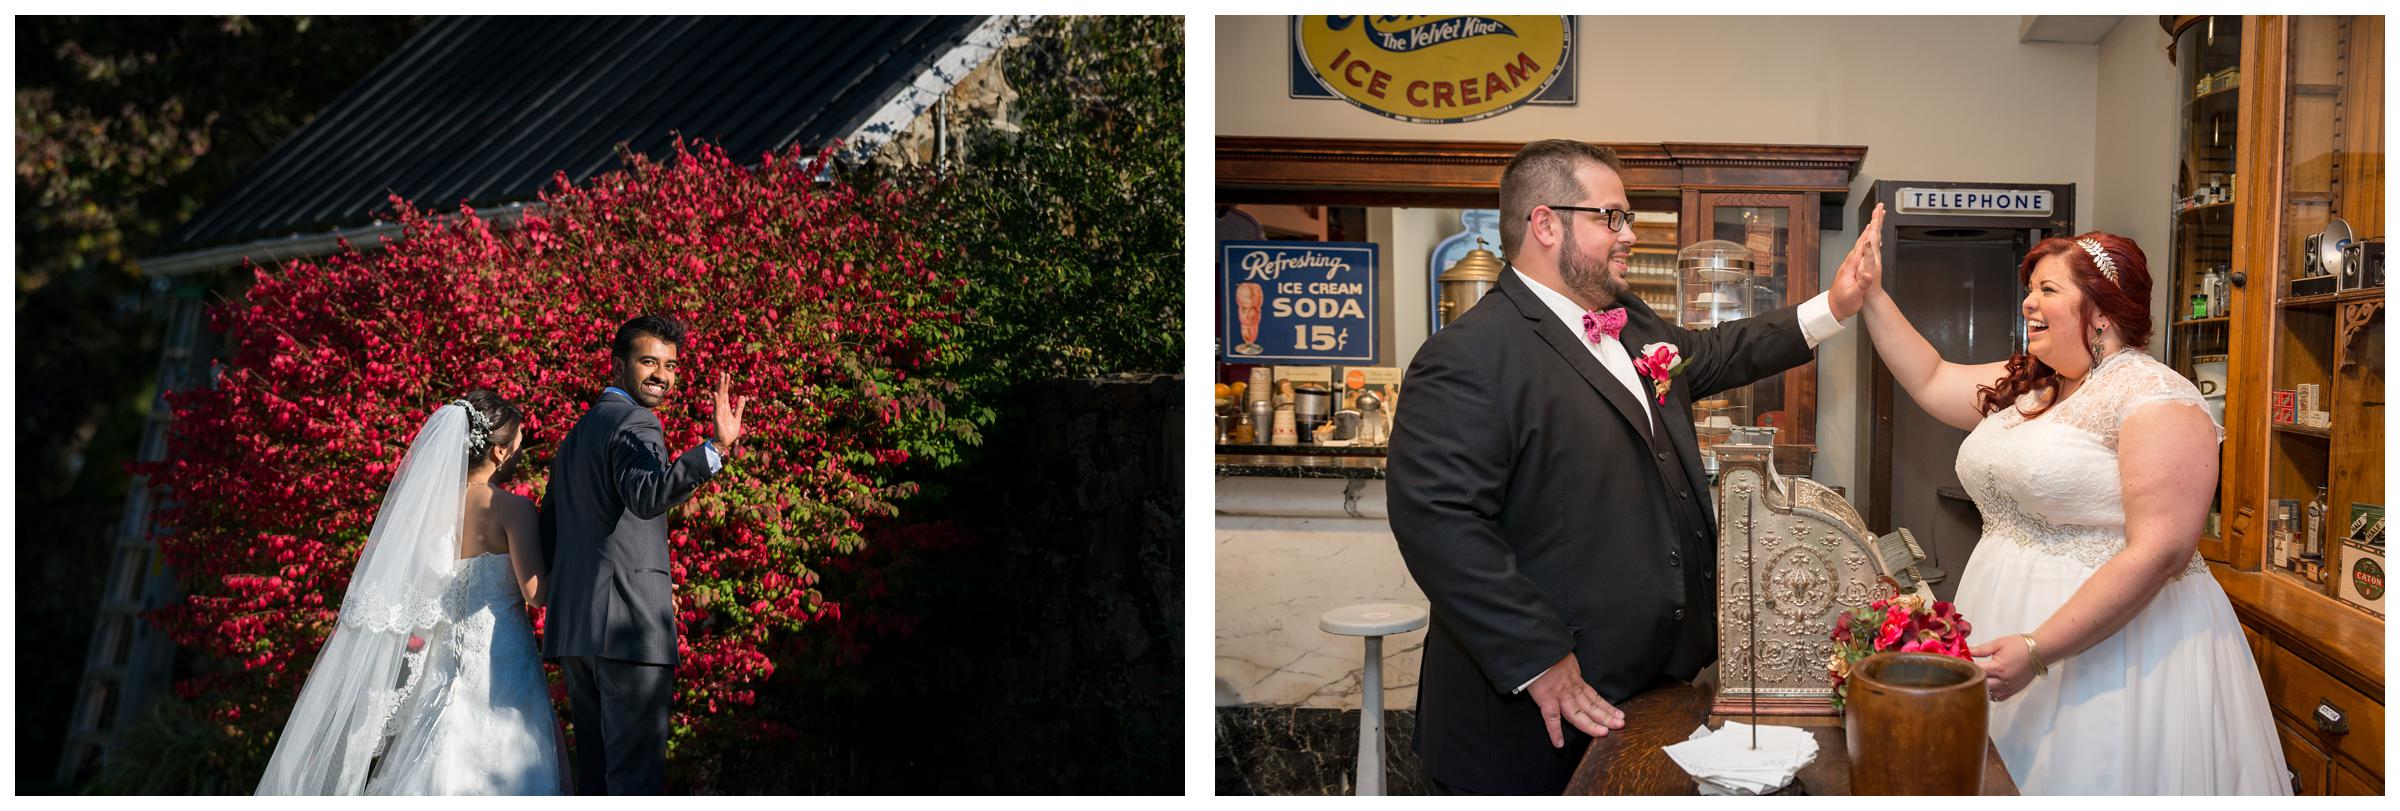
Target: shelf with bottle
x=2217 y=92
x=2212 y=197
x=2218 y=212
x=2207 y=292
x=2304 y=537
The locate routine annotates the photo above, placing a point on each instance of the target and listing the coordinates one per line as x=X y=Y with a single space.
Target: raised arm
x=648 y=486
x=2168 y=465
x=517 y=518
x=1945 y=390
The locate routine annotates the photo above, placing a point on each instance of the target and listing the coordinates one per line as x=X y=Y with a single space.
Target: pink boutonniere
x=1659 y=362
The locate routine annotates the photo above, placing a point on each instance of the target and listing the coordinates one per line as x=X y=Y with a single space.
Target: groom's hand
x=1562 y=693
x=728 y=413
x=1861 y=272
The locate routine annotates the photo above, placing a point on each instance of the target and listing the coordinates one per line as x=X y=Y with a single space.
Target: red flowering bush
x=1903 y=623
x=812 y=295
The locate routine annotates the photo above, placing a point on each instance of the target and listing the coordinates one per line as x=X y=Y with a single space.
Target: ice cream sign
x=1297 y=302
x=1435 y=68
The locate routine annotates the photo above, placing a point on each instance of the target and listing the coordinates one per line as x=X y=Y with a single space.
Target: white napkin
x=1723 y=762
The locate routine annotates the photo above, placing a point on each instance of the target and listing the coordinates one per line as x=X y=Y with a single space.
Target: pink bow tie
x=1608 y=323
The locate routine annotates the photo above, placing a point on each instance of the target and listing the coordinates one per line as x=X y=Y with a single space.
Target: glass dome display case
x=1716 y=281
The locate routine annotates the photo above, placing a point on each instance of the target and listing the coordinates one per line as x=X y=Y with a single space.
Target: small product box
x=2362 y=576
x=1357 y=380
x=1288 y=377
x=2282 y=409
x=2304 y=397
x=2366 y=524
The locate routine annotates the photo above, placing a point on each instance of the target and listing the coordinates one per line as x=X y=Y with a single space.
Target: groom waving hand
x=611 y=625
x=1546 y=487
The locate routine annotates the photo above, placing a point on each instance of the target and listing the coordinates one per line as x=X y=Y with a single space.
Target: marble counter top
x=1289 y=466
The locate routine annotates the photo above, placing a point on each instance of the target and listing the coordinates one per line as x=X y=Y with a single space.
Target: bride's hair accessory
x=479 y=430
x=2108 y=267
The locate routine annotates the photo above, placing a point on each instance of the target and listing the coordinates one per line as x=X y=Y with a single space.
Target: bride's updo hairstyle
x=492 y=422
x=2125 y=301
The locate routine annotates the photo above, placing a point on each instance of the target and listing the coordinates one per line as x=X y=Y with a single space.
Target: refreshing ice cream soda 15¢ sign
x=1435 y=69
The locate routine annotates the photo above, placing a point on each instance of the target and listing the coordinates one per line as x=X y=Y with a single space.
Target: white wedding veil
x=365 y=670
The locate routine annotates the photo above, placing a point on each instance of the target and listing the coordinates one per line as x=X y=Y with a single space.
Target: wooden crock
x=1916 y=723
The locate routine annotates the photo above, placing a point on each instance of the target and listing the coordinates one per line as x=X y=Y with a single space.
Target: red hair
x=2125 y=301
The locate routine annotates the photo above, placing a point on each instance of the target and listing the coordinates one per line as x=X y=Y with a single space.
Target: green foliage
x=1070 y=229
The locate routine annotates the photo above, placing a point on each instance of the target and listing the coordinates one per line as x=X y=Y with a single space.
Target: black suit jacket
x=604 y=534
x=1543 y=513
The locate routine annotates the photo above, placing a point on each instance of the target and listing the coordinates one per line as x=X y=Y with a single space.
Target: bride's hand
x=2007 y=668
x=1874 y=255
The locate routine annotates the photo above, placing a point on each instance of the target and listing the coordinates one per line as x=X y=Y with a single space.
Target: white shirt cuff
x=1528 y=683
x=716 y=461
x=1816 y=320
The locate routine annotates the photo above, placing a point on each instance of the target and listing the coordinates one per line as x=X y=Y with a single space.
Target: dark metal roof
x=484 y=110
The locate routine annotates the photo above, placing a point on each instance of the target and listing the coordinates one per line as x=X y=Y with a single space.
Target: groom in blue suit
x=611 y=625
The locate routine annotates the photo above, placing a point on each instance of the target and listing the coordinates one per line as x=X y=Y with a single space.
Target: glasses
x=1616 y=219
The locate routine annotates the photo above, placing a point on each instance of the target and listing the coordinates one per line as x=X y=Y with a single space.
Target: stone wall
x=1049 y=658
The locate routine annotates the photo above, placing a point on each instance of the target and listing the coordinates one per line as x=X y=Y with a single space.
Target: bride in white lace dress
x=431 y=682
x=2115 y=662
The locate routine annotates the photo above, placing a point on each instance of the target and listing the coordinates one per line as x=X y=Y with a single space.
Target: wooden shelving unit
x=2307 y=113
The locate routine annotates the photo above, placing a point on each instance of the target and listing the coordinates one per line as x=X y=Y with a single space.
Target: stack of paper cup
x=1287 y=429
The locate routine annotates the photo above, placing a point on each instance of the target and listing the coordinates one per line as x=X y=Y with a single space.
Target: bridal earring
x=2097 y=344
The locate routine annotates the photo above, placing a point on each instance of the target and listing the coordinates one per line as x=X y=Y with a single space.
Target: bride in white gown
x=431 y=682
x=2115 y=663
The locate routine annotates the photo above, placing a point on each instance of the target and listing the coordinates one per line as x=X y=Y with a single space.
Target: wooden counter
x=1633 y=760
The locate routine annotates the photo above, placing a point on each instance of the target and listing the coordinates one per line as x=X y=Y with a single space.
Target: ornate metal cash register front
x=1791 y=555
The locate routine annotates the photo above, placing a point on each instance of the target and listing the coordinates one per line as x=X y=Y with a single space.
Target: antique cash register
x=1791 y=554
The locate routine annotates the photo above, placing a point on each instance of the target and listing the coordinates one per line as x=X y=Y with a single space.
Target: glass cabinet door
x=1780 y=229
x=2208 y=56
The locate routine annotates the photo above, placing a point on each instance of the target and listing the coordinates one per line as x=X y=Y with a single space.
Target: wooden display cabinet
x=2307 y=114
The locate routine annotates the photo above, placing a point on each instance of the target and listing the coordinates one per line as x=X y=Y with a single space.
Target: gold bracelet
x=2040 y=668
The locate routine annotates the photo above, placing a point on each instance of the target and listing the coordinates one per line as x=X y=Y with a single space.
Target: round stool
x=1373 y=621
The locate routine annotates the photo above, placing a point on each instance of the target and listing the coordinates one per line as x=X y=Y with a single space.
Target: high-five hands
x=729 y=414
x=1862 y=271
x=1562 y=693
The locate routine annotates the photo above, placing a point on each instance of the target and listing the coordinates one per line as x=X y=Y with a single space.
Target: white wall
x=1408 y=236
x=1933 y=98
x=2136 y=112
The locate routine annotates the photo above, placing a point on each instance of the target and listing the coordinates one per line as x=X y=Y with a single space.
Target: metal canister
x=1312 y=403
x=1345 y=425
x=1262 y=419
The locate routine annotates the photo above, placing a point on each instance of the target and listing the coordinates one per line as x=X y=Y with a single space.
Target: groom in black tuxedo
x=1546 y=497
x=611 y=625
